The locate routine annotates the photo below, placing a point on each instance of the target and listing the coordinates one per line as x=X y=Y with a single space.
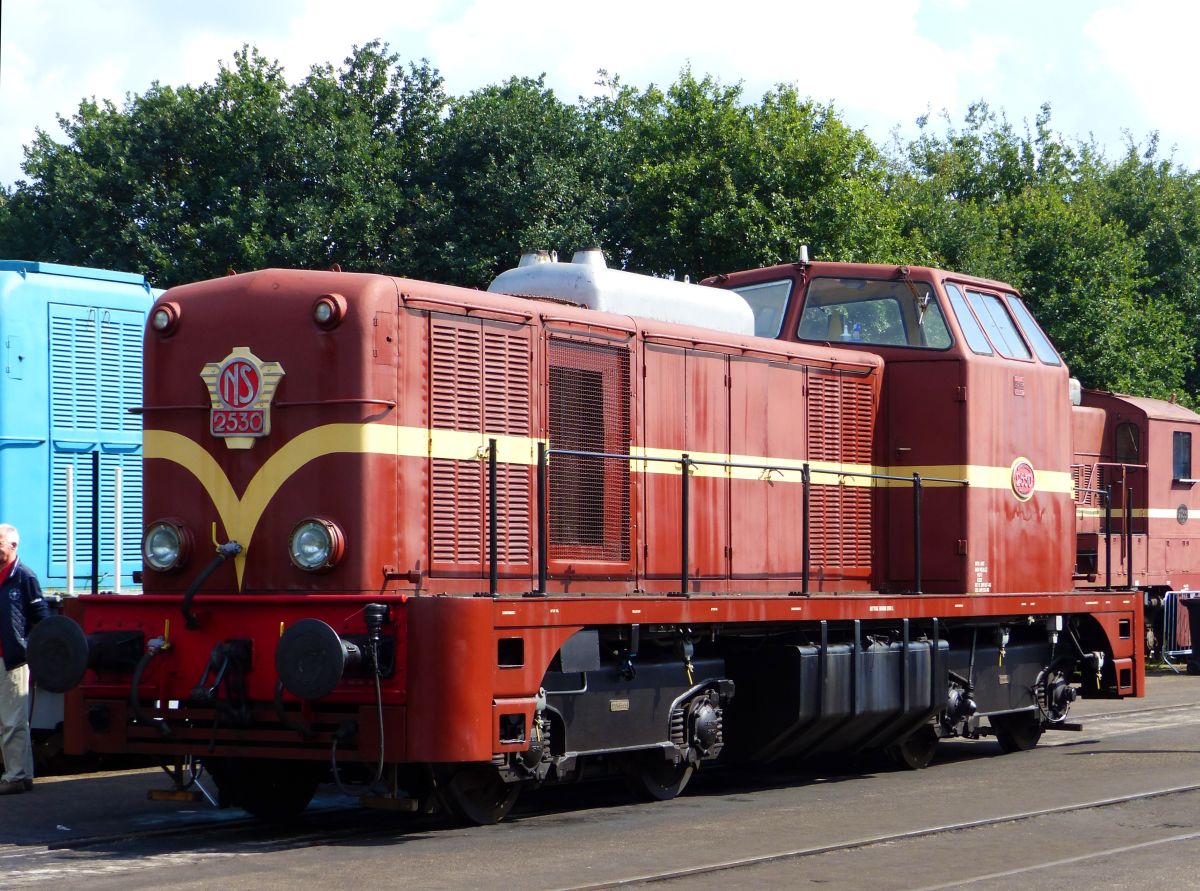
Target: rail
x=685 y=463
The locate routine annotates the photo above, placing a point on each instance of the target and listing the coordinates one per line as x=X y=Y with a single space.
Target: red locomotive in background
x=467 y=542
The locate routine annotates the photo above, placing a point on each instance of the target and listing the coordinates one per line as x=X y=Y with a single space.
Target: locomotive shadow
x=113 y=822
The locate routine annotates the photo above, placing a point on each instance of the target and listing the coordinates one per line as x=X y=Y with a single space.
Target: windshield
x=884 y=313
x=768 y=300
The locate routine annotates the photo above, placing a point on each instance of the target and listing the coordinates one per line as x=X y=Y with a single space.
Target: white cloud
x=881 y=62
x=1149 y=46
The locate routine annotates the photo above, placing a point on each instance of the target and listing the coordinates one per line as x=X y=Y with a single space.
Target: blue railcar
x=72 y=354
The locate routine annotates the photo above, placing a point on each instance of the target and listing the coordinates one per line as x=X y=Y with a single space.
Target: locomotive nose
x=58 y=654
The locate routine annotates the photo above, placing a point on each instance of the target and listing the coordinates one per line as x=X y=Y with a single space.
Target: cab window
x=881 y=313
x=1182 y=454
x=999 y=325
x=1033 y=332
x=1129 y=448
x=768 y=300
x=976 y=339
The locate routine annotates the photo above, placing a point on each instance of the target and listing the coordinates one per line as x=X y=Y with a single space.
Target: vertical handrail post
x=1108 y=493
x=916 y=533
x=543 y=543
x=117 y=520
x=1129 y=535
x=684 y=499
x=70 y=518
x=96 y=522
x=806 y=571
x=493 y=564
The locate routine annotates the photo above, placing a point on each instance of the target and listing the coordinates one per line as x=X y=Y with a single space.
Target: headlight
x=164 y=318
x=316 y=544
x=166 y=545
x=329 y=310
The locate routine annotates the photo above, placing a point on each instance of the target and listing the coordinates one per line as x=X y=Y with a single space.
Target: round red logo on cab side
x=1024 y=480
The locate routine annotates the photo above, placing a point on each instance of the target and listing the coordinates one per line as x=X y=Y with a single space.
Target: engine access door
x=926 y=434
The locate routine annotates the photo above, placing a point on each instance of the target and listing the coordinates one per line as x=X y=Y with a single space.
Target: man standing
x=21 y=607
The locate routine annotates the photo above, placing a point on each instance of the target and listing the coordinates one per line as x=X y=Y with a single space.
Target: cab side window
x=1182 y=455
x=1129 y=444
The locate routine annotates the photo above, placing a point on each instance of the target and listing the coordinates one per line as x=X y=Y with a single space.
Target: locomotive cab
x=974 y=402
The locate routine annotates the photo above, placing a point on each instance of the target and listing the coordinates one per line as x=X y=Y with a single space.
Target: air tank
x=587 y=281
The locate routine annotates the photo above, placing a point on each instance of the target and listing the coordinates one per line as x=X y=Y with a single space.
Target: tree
x=1041 y=214
x=711 y=184
x=510 y=174
x=244 y=172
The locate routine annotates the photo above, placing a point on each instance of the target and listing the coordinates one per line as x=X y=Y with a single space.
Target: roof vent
x=592 y=256
x=532 y=258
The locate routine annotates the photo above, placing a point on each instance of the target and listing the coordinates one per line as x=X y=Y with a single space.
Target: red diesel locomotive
x=459 y=543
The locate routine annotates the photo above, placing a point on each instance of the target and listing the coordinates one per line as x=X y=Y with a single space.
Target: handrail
x=686 y=462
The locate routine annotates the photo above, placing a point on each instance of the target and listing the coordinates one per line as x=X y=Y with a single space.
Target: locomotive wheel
x=1017 y=733
x=915 y=751
x=272 y=791
x=476 y=794
x=653 y=778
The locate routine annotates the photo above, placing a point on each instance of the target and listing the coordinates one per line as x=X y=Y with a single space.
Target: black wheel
x=476 y=793
x=915 y=751
x=272 y=791
x=1019 y=732
x=653 y=778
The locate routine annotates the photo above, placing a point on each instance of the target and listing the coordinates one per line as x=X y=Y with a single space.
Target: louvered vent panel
x=73 y=372
x=823 y=418
x=120 y=370
x=856 y=404
x=111 y=407
x=131 y=515
x=506 y=411
x=840 y=416
x=456 y=377
x=82 y=467
x=506 y=398
x=1089 y=481
x=515 y=512
x=589 y=412
x=456 y=507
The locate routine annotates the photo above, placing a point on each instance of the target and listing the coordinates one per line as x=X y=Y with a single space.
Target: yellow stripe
x=240 y=516
x=1153 y=513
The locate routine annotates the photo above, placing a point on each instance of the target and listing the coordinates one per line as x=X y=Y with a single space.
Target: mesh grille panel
x=589 y=412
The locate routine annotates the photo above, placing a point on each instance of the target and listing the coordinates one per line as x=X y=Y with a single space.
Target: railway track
x=210 y=837
x=742 y=863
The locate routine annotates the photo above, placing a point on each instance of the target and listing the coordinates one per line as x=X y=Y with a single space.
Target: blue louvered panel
x=95 y=378
x=82 y=464
x=120 y=362
x=131 y=512
x=74 y=360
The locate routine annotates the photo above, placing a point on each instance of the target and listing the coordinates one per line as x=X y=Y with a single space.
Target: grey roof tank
x=588 y=281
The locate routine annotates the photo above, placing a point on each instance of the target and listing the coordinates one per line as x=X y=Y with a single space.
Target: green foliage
x=371 y=165
x=511 y=175
x=710 y=184
x=1101 y=252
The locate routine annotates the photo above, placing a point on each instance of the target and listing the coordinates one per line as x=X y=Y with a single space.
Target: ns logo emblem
x=241 y=387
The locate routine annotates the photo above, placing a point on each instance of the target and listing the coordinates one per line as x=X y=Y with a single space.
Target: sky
x=1112 y=70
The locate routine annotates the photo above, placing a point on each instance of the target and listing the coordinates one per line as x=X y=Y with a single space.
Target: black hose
x=333 y=762
x=299 y=727
x=134 y=705
x=230 y=549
